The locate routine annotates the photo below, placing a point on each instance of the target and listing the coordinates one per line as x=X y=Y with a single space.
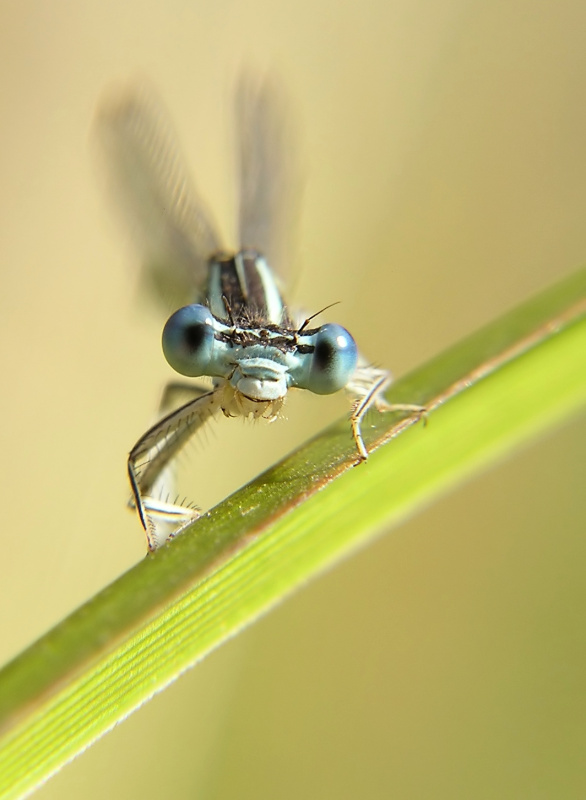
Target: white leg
x=150 y=457
x=367 y=389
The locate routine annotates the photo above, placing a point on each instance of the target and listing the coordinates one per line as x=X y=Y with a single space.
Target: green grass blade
x=500 y=387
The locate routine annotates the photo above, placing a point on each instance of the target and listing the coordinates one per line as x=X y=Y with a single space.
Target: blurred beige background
x=445 y=153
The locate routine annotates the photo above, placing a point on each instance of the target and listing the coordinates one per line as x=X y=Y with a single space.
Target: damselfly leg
x=160 y=513
x=367 y=389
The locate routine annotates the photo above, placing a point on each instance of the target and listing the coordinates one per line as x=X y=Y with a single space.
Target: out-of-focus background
x=444 y=161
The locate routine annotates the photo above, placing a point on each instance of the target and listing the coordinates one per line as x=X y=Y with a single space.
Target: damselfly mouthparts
x=236 y=329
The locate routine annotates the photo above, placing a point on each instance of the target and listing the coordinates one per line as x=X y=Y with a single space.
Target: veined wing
x=172 y=229
x=268 y=174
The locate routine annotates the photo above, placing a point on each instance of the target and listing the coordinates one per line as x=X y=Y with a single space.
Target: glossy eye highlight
x=188 y=340
x=333 y=360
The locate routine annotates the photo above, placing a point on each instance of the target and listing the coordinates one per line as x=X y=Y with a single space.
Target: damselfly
x=236 y=328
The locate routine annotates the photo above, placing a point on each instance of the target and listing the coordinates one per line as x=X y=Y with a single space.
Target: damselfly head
x=261 y=363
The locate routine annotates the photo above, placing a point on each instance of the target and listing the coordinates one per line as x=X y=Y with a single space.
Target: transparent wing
x=268 y=173
x=171 y=227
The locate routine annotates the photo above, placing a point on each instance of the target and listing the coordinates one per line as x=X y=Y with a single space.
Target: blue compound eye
x=188 y=340
x=333 y=360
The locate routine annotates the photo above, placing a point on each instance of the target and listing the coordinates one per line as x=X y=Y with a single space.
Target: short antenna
x=313 y=316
